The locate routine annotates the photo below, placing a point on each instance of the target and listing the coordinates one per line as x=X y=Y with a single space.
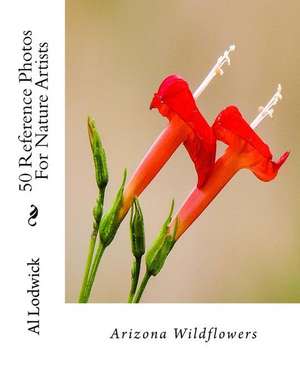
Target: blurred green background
x=245 y=247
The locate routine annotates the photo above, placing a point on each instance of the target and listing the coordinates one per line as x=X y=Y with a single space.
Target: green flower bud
x=157 y=254
x=110 y=221
x=158 y=260
x=99 y=156
x=97 y=211
x=137 y=233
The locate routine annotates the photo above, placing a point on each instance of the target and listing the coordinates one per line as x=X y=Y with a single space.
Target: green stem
x=93 y=272
x=88 y=264
x=99 y=207
x=135 y=273
x=140 y=291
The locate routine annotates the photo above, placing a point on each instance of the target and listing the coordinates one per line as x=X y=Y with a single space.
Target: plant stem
x=142 y=287
x=93 y=272
x=88 y=264
x=135 y=273
x=98 y=207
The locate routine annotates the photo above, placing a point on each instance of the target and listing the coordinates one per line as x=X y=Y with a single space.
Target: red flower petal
x=174 y=97
x=231 y=128
x=230 y=122
x=266 y=170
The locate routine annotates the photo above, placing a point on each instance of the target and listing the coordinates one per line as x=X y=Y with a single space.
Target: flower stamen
x=268 y=109
x=216 y=70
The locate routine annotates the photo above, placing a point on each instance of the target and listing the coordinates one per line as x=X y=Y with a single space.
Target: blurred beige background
x=245 y=247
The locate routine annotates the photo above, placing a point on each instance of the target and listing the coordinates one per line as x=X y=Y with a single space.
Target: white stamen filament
x=268 y=109
x=216 y=69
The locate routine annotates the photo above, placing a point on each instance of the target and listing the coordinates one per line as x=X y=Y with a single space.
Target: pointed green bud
x=137 y=233
x=97 y=211
x=157 y=254
x=110 y=222
x=98 y=155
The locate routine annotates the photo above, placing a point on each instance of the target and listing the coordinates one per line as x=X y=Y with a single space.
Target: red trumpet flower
x=186 y=125
x=245 y=150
